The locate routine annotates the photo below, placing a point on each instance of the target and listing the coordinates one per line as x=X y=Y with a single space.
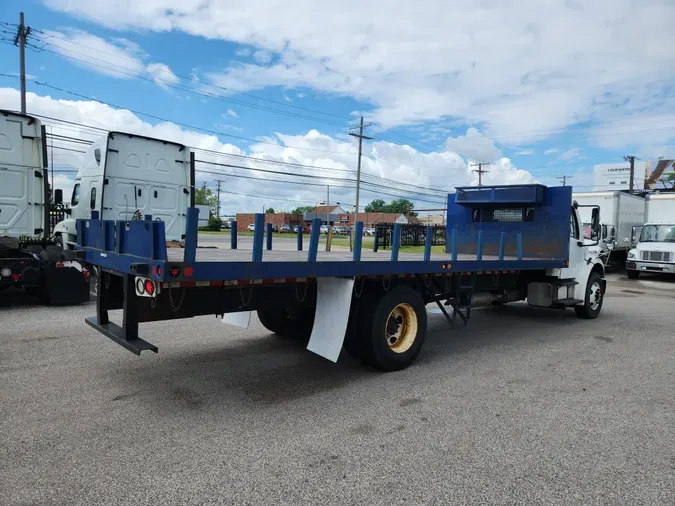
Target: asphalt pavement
x=525 y=406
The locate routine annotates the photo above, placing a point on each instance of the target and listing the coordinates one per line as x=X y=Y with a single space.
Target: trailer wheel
x=296 y=323
x=593 y=300
x=632 y=274
x=392 y=329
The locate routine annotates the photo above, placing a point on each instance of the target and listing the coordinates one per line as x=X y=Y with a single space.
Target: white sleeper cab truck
x=29 y=259
x=130 y=177
x=620 y=213
x=655 y=251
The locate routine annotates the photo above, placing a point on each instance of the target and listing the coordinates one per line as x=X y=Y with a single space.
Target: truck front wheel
x=632 y=274
x=592 y=305
x=391 y=329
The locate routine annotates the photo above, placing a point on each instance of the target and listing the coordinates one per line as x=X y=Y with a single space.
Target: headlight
x=631 y=255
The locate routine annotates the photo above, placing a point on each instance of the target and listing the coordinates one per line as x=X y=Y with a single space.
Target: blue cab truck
x=504 y=244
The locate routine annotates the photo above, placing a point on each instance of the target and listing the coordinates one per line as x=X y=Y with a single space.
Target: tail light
x=146 y=287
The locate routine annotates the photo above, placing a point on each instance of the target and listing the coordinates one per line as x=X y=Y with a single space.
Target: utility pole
x=631 y=159
x=480 y=171
x=360 y=137
x=564 y=179
x=22 y=34
x=327 y=203
x=218 y=181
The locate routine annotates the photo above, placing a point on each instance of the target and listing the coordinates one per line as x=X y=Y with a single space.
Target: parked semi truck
x=655 y=250
x=505 y=244
x=126 y=177
x=29 y=259
x=620 y=212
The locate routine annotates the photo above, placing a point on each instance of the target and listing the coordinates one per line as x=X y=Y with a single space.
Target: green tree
x=302 y=209
x=402 y=206
x=270 y=211
x=205 y=197
x=376 y=206
x=214 y=224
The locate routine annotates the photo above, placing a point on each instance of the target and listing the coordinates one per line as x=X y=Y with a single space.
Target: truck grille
x=656 y=256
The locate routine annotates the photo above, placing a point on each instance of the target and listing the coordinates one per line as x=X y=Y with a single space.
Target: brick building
x=278 y=219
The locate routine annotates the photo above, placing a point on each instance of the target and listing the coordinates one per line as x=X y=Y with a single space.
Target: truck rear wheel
x=593 y=299
x=632 y=274
x=391 y=329
x=296 y=323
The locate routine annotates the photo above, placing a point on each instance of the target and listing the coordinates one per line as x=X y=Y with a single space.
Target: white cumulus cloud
x=119 y=58
x=393 y=168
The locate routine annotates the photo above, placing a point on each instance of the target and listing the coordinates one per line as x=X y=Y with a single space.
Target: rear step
x=116 y=333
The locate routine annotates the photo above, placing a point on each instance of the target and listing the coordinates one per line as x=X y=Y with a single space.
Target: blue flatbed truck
x=504 y=244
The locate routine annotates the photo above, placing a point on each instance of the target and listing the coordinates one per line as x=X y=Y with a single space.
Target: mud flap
x=65 y=283
x=241 y=319
x=333 y=302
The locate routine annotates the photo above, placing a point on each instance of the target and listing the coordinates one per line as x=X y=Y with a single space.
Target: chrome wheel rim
x=595 y=296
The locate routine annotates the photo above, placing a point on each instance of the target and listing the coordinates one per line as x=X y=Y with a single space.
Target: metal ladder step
x=567 y=302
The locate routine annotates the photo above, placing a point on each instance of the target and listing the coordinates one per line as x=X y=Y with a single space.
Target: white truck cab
x=655 y=251
x=125 y=177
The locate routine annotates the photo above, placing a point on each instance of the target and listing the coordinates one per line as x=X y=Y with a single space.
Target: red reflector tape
x=59 y=264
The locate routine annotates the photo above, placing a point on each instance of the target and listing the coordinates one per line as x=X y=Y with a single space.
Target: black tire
x=632 y=274
x=378 y=325
x=295 y=323
x=593 y=299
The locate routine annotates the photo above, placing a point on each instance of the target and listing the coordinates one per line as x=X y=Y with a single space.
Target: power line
x=389 y=182
x=185 y=125
x=564 y=179
x=190 y=78
x=172 y=84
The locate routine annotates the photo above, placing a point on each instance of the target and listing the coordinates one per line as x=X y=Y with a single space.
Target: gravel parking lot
x=524 y=406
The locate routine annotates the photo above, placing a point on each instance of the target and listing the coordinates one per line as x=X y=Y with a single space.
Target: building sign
x=344 y=217
x=616 y=176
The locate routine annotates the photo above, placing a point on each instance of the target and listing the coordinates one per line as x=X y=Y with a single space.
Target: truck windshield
x=658 y=233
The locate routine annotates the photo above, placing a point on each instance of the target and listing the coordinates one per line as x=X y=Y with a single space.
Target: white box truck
x=655 y=251
x=127 y=177
x=29 y=259
x=620 y=212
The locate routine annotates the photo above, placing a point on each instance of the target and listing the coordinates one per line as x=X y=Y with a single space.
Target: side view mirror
x=58 y=196
x=595 y=219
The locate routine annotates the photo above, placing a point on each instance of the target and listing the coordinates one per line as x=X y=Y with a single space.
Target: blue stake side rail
x=489 y=229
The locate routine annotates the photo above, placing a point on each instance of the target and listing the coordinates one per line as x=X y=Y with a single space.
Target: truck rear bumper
x=633 y=265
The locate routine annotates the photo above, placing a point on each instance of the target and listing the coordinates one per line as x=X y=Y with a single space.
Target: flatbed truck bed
x=504 y=244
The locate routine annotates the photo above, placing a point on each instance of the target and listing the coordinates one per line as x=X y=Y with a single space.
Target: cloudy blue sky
x=539 y=89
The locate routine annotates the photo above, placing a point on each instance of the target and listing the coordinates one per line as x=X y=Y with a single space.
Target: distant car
x=225 y=226
x=368 y=231
x=275 y=228
x=251 y=227
x=340 y=231
x=285 y=229
x=324 y=229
